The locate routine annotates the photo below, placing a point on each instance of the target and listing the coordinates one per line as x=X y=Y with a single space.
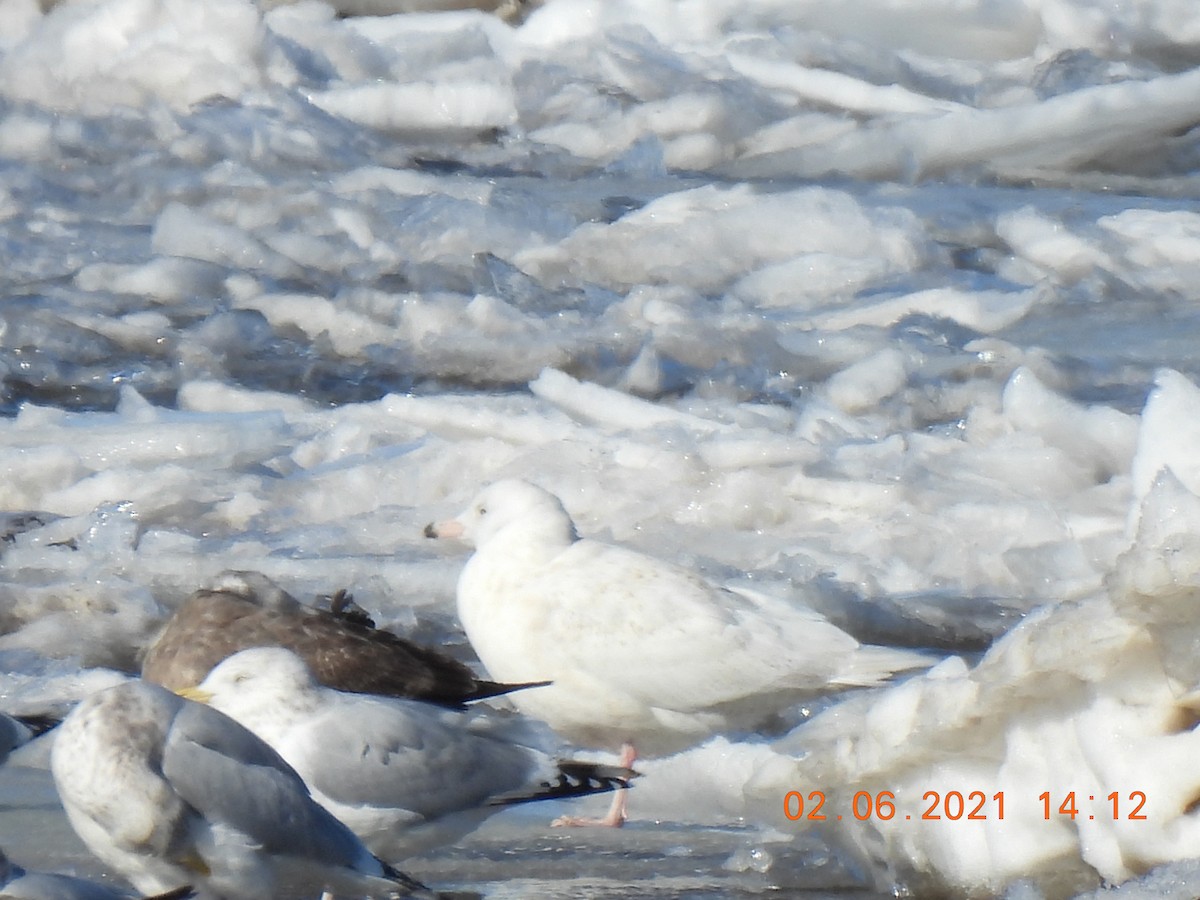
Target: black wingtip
x=485 y=689
x=179 y=893
x=575 y=779
x=39 y=723
x=409 y=885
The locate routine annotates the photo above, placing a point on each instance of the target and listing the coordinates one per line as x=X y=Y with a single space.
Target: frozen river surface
x=886 y=308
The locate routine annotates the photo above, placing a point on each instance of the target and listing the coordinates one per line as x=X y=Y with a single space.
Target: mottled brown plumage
x=341 y=645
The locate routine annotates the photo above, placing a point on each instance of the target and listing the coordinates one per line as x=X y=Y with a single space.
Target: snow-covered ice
x=888 y=306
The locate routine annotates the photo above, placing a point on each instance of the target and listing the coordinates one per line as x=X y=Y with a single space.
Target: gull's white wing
x=668 y=637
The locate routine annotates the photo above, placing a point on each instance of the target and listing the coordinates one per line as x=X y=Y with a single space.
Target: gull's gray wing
x=229 y=775
x=406 y=755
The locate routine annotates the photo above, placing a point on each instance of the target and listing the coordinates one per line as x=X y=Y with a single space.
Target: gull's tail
x=872 y=665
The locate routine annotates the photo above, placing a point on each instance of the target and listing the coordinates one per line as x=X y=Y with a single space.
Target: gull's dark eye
x=483 y=510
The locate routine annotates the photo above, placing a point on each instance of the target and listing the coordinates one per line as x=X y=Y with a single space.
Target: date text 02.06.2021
x=963 y=805
x=881 y=805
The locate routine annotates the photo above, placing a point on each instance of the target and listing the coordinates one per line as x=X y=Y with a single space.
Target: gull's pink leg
x=615 y=817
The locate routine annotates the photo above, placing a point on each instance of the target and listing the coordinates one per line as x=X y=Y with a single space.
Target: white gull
x=403 y=775
x=641 y=654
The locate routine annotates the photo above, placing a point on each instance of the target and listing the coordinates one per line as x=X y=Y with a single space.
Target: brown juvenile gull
x=344 y=650
x=641 y=653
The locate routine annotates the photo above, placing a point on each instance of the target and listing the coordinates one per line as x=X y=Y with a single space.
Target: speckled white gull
x=170 y=793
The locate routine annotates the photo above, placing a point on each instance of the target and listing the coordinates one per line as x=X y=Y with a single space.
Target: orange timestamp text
x=970 y=806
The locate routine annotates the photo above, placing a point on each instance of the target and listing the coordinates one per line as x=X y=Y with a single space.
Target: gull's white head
x=257 y=675
x=509 y=508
